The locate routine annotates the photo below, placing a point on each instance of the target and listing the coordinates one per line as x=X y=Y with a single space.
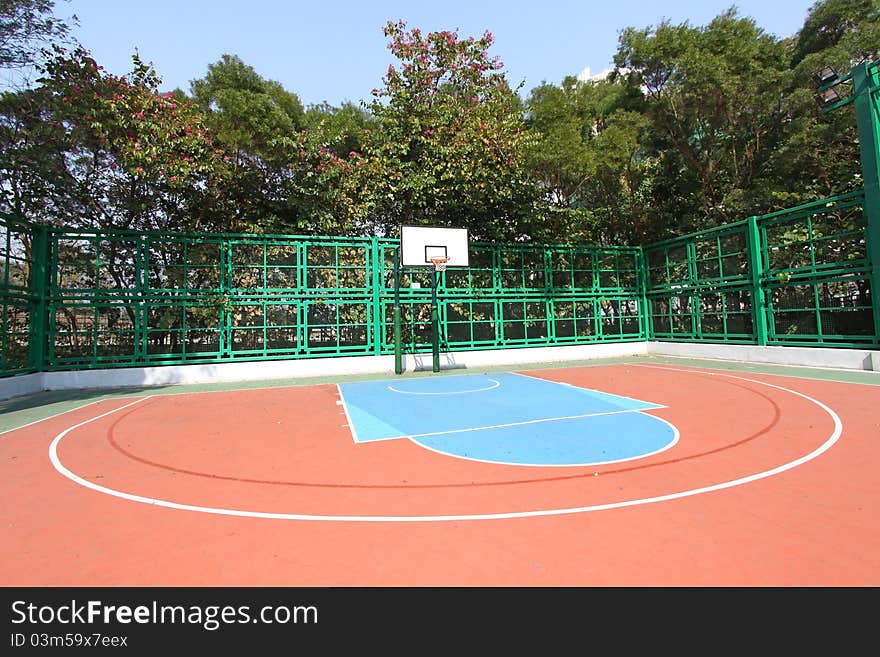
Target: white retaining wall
x=847 y=359
x=850 y=359
x=23 y=384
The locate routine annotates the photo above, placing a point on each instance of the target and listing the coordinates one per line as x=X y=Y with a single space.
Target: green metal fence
x=520 y=296
x=121 y=299
x=77 y=299
x=20 y=296
x=797 y=277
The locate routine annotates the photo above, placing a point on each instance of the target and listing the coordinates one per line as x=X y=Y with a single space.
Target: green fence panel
x=80 y=299
x=20 y=303
x=698 y=286
x=514 y=296
x=817 y=274
x=122 y=299
x=800 y=276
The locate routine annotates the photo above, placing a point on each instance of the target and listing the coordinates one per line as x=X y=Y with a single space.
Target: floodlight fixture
x=828 y=97
x=825 y=76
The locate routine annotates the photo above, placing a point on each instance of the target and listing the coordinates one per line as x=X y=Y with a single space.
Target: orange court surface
x=768 y=479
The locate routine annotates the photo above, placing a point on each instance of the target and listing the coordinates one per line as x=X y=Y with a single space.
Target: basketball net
x=440 y=262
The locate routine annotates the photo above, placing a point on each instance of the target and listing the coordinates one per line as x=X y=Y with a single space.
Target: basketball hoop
x=439 y=262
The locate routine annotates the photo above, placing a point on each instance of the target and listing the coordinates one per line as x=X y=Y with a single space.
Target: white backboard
x=419 y=243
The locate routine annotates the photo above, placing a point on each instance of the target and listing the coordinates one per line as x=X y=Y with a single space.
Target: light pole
x=864 y=80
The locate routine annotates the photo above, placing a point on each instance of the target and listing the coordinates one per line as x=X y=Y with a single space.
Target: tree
x=285 y=177
x=26 y=28
x=450 y=145
x=86 y=149
x=588 y=155
x=559 y=156
x=250 y=118
x=820 y=155
x=852 y=26
x=90 y=149
x=245 y=111
x=714 y=97
x=343 y=127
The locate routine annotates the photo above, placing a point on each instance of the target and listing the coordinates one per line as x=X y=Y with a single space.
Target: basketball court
x=646 y=472
x=628 y=471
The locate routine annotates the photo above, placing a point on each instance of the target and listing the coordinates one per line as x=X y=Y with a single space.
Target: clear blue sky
x=334 y=50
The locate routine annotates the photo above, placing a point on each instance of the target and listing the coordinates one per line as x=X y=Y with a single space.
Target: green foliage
x=820 y=156
x=110 y=150
x=290 y=170
x=246 y=112
x=696 y=126
x=26 y=27
x=589 y=155
x=342 y=127
x=449 y=147
x=851 y=26
x=713 y=97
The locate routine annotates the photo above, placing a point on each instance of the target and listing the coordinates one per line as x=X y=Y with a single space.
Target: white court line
x=650 y=405
x=454 y=392
x=507 y=424
x=49 y=417
x=760 y=367
x=675 y=436
x=347 y=416
x=514 y=424
x=831 y=440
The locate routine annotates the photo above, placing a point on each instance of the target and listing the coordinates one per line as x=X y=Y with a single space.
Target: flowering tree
x=111 y=151
x=320 y=185
x=449 y=148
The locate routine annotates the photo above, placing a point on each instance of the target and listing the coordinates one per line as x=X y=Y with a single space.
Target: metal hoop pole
x=398 y=343
x=435 y=323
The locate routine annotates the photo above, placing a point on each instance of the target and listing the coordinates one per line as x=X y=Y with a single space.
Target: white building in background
x=585 y=76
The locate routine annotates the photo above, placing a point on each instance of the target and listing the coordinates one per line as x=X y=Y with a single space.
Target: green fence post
x=38 y=288
x=646 y=318
x=756 y=275
x=865 y=89
x=398 y=342
x=435 y=322
x=141 y=305
x=225 y=315
x=375 y=283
